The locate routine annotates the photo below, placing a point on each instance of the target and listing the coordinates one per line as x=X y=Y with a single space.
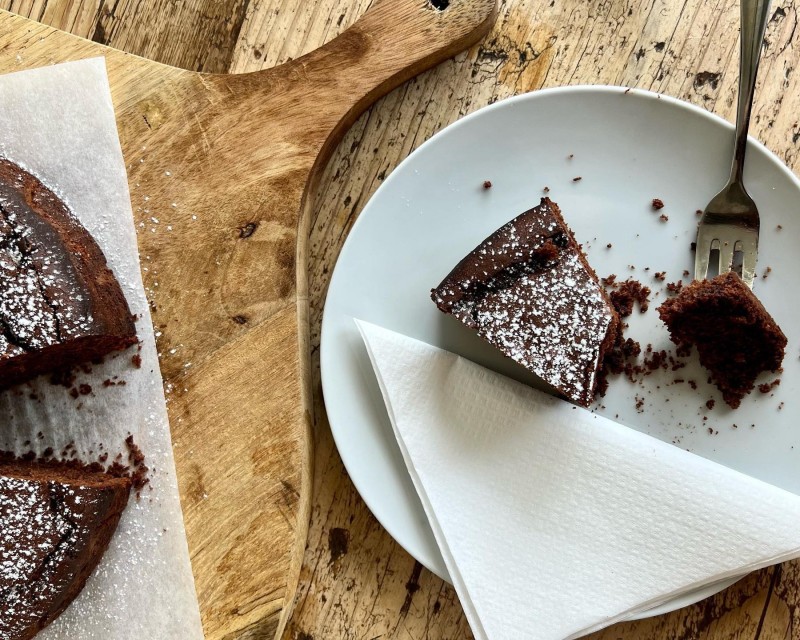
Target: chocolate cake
x=735 y=336
x=56 y=521
x=528 y=290
x=60 y=305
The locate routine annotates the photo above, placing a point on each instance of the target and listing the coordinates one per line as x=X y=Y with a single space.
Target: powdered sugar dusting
x=41 y=303
x=552 y=323
x=526 y=291
x=44 y=525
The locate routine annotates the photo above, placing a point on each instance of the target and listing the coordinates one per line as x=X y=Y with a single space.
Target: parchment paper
x=58 y=122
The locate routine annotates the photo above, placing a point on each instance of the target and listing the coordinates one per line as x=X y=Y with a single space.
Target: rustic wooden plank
x=356 y=582
x=280 y=30
x=369 y=587
x=193 y=34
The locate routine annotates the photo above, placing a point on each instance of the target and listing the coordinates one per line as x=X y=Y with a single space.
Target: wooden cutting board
x=219 y=168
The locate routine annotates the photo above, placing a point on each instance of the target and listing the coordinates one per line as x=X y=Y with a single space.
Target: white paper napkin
x=58 y=122
x=555 y=522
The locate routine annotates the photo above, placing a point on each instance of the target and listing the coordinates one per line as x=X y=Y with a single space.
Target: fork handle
x=754 y=21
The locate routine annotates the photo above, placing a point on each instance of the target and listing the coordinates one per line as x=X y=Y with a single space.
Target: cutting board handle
x=391 y=43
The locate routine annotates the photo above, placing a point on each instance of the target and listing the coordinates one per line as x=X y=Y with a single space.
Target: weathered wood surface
x=219 y=166
x=356 y=583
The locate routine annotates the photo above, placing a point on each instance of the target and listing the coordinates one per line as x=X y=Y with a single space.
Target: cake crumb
x=136 y=360
x=663 y=218
x=766 y=273
x=710 y=403
x=685 y=273
x=766 y=387
x=610 y=280
x=546 y=189
x=657 y=204
x=629 y=292
x=608 y=246
x=699 y=212
x=577 y=178
x=779 y=227
x=660 y=275
x=487 y=184
x=675 y=287
x=138 y=470
x=62 y=378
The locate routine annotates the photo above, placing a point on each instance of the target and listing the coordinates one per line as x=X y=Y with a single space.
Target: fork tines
x=728 y=241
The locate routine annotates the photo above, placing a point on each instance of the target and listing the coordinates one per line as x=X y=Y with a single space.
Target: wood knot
x=338 y=543
x=248 y=230
x=151 y=114
x=707 y=77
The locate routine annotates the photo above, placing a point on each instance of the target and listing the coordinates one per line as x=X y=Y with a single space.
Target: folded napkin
x=555 y=522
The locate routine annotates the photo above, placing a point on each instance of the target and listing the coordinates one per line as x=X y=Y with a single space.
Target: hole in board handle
x=439 y=5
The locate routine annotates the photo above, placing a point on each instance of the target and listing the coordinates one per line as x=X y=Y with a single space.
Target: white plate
x=629 y=147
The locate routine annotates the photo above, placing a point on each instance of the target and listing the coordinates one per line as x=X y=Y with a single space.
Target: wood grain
x=356 y=582
x=685 y=49
x=219 y=167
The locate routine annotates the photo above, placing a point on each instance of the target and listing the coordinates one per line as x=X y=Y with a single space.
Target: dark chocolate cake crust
x=528 y=290
x=56 y=521
x=735 y=336
x=60 y=304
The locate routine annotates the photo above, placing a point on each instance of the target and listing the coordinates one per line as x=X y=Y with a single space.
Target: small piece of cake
x=56 y=521
x=528 y=290
x=60 y=305
x=736 y=338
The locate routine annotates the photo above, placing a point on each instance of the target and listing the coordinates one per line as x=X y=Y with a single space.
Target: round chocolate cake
x=60 y=304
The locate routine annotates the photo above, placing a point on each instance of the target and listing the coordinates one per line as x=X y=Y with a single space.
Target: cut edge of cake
x=705 y=313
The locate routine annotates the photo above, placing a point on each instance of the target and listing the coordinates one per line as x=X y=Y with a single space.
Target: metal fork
x=730 y=221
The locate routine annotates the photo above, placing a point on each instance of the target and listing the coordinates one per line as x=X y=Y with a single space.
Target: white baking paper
x=555 y=522
x=58 y=122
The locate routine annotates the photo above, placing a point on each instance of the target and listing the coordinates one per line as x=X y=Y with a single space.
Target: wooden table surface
x=356 y=582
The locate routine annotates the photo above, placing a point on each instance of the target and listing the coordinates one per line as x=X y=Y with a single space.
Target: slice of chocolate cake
x=56 y=521
x=735 y=336
x=528 y=290
x=60 y=305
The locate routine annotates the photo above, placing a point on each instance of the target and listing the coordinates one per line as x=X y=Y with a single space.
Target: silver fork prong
x=703 y=253
x=732 y=215
x=749 y=255
x=726 y=248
